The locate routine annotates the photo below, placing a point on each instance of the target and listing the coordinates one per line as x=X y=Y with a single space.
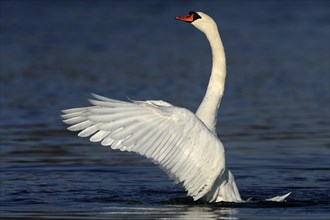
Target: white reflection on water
x=172 y=212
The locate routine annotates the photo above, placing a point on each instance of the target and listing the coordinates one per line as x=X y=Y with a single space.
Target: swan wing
x=172 y=137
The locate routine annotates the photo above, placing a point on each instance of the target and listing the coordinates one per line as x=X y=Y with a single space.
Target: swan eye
x=195 y=15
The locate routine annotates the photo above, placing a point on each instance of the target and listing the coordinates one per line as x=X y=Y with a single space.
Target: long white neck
x=208 y=109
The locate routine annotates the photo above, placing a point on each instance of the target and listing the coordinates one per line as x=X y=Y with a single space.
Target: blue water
x=273 y=120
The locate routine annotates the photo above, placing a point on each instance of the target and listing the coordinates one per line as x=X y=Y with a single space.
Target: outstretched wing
x=172 y=137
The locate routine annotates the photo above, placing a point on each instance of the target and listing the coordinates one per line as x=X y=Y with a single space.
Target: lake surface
x=273 y=119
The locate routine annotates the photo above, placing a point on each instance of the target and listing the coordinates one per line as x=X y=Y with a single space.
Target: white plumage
x=184 y=144
x=172 y=137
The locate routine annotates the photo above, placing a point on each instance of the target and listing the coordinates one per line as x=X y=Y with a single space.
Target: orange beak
x=188 y=18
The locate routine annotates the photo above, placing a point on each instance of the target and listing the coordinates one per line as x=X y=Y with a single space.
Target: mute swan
x=184 y=144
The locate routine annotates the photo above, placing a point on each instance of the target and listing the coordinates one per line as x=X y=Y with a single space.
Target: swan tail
x=279 y=198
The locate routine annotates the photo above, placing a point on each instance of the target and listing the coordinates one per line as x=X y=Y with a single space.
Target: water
x=274 y=118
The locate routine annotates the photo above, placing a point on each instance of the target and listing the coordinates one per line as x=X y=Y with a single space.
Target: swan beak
x=188 y=18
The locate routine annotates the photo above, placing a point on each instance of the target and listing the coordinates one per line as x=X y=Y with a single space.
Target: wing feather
x=88 y=131
x=172 y=137
x=107 y=141
x=80 y=126
x=75 y=120
x=155 y=147
x=99 y=136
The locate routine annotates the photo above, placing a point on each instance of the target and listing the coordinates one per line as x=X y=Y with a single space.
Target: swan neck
x=208 y=109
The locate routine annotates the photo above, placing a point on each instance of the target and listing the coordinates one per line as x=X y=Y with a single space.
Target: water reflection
x=206 y=212
x=171 y=212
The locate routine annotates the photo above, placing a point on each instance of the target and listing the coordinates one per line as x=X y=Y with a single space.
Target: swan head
x=200 y=20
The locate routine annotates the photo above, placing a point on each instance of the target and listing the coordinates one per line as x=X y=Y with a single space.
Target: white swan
x=184 y=144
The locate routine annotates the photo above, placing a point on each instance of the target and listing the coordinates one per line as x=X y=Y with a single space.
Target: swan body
x=182 y=143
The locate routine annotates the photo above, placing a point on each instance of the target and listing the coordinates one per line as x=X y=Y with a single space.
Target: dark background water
x=273 y=121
